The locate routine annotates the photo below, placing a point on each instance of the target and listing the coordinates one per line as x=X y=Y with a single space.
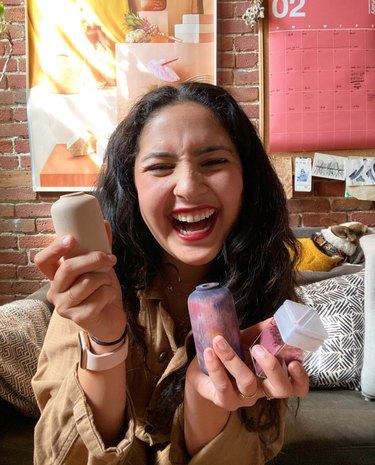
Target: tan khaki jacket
x=66 y=432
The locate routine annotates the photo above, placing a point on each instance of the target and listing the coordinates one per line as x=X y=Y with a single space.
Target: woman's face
x=188 y=175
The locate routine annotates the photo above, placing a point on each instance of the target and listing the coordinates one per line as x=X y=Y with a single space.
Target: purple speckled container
x=212 y=312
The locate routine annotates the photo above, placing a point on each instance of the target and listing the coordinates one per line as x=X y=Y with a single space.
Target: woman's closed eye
x=215 y=162
x=160 y=167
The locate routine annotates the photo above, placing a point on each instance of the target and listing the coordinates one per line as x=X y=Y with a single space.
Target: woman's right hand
x=80 y=292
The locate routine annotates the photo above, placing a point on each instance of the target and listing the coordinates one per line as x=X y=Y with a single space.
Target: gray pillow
x=340 y=304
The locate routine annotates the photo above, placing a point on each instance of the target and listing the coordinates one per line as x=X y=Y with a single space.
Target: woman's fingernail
x=112 y=258
x=209 y=354
x=296 y=369
x=222 y=344
x=258 y=351
x=66 y=241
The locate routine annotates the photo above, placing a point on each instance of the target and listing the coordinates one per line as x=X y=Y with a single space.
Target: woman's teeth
x=190 y=224
x=194 y=218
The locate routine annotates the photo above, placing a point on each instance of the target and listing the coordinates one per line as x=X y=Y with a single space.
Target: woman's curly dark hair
x=255 y=262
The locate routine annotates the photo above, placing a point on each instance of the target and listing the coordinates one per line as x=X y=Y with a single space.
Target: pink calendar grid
x=321 y=82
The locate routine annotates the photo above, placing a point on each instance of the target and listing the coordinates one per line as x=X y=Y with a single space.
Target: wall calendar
x=320 y=74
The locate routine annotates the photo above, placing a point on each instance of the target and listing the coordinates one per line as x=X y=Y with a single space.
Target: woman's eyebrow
x=214 y=148
x=156 y=155
x=200 y=151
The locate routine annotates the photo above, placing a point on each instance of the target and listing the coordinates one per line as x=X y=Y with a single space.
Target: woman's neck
x=182 y=278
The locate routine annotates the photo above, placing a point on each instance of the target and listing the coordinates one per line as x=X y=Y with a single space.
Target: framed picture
x=89 y=60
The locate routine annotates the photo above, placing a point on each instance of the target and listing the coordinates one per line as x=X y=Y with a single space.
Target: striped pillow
x=340 y=304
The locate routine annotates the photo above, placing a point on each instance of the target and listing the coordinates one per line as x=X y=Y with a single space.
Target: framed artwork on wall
x=89 y=60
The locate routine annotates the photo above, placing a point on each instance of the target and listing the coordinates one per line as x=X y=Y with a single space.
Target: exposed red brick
x=22 y=146
x=232 y=26
x=19 y=47
x=6 y=226
x=15 y=178
x=13 y=258
x=17 y=193
x=16 y=81
x=351 y=204
x=24 y=226
x=245 y=77
x=20 y=114
x=245 y=43
x=25 y=161
x=29 y=272
x=44 y=225
x=308 y=205
x=20 y=96
x=33 y=210
x=246 y=60
x=294 y=220
x=12 y=64
x=226 y=60
x=6 y=146
x=225 y=10
x=8 y=271
x=240 y=8
x=5 y=115
x=18 y=287
x=8 y=242
x=225 y=77
x=16 y=31
x=35 y=242
x=13 y=129
x=7 y=97
x=8 y=163
x=314 y=219
x=6 y=210
x=14 y=14
x=22 y=64
x=364 y=217
x=244 y=94
x=225 y=44
x=252 y=112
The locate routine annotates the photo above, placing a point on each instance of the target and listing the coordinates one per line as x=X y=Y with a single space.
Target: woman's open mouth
x=195 y=225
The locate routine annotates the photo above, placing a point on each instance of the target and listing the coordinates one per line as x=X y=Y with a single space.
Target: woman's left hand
x=232 y=384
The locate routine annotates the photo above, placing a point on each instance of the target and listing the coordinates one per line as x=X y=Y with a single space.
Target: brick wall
x=25 y=223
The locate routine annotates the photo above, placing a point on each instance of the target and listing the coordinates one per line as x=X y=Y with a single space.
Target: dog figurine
x=332 y=246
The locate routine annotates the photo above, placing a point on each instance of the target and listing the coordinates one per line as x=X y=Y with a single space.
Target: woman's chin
x=195 y=257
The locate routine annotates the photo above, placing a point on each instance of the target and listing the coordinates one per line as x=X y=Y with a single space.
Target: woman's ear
x=109 y=231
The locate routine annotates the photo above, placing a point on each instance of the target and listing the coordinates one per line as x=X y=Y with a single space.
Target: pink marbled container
x=295 y=330
x=271 y=339
x=212 y=312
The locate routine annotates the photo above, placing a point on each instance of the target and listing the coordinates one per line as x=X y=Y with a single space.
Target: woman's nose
x=189 y=184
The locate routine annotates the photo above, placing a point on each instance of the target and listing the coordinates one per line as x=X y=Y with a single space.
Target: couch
x=333 y=425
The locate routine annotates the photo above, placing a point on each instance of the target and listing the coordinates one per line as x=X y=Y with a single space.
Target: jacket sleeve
x=66 y=433
x=235 y=444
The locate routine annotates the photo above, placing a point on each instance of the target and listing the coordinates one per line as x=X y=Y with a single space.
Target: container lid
x=207 y=286
x=300 y=326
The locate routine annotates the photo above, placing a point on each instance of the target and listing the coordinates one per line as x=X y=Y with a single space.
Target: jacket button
x=163 y=357
x=149 y=429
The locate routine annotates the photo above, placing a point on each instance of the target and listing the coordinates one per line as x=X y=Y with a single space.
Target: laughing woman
x=190 y=197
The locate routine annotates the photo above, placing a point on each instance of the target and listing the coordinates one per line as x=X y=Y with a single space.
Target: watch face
x=84 y=347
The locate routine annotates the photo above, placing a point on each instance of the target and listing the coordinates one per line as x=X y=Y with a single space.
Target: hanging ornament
x=253 y=13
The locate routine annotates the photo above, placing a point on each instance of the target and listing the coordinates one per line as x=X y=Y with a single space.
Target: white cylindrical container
x=79 y=214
